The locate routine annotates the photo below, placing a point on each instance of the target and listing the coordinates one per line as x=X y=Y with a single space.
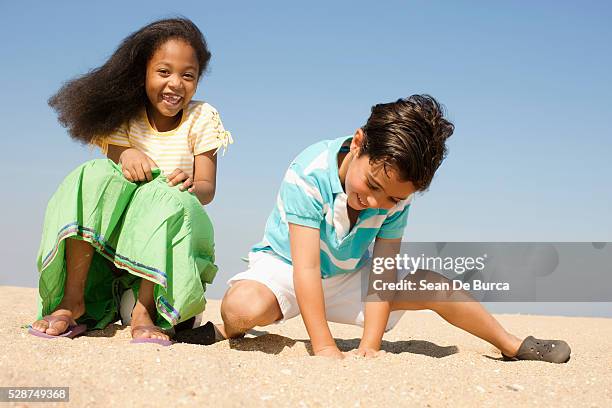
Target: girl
x=122 y=223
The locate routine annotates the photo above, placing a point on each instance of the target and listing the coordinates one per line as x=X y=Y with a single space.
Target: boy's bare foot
x=71 y=309
x=143 y=326
x=220 y=329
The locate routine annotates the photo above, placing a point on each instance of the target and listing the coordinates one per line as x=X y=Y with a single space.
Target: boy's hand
x=179 y=176
x=331 y=352
x=136 y=165
x=367 y=352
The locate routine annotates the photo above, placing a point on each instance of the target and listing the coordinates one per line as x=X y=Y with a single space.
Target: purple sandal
x=73 y=330
x=148 y=329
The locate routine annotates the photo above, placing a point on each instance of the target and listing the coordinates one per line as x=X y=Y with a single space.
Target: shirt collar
x=334 y=176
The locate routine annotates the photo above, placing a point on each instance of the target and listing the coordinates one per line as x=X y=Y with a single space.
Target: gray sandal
x=552 y=351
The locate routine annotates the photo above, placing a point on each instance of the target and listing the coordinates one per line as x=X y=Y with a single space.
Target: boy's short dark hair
x=409 y=135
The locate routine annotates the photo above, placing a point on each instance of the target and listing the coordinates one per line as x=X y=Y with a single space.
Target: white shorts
x=343 y=302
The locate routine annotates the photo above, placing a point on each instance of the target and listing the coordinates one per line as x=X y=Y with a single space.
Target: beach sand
x=428 y=363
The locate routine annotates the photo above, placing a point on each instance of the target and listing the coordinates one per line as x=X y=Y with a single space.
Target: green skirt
x=139 y=231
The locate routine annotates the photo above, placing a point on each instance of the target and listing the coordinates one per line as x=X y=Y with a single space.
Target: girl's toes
x=40 y=325
x=142 y=334
x=53 y=330
x=161 y=336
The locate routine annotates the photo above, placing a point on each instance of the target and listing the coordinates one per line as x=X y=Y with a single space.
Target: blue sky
x=527 y=84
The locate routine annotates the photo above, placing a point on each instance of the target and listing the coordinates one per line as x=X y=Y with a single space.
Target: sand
x=428 y=363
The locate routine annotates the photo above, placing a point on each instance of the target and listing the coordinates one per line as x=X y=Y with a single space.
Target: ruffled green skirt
x=139 y=231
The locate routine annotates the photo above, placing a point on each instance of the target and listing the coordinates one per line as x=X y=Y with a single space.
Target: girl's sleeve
x=119 y=137
x=208 y=132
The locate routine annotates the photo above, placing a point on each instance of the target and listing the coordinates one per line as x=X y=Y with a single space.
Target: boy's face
x=369 y=185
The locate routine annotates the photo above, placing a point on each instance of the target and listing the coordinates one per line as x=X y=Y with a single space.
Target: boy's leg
x=246 y=304
x=461 y=310
x=78 y=260
x=472 y=317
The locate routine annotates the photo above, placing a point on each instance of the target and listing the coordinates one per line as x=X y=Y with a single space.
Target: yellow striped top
x=199 y=131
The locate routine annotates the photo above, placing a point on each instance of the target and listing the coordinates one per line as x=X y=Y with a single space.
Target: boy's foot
x=61 y=319
x=143 y=326
x=186 y=325
x=203 y=335
x=552 y=351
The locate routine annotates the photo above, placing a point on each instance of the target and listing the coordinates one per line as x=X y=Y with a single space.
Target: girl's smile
x=172 y=100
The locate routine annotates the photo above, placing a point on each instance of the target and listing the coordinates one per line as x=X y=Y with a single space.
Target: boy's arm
x=305 y=254
x=377 y=312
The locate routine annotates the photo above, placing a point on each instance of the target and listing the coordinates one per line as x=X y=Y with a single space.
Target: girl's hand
x=179 y=176
x=136 y=165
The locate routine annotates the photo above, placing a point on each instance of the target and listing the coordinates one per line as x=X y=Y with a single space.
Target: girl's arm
x=205 y=176
x=136 y=165
x=114 y=152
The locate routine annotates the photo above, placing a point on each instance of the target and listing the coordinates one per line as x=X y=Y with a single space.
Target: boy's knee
x=246 y=304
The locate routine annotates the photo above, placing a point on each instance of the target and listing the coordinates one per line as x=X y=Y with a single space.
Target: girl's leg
x=461 y=310
x=78 y=260
x=144 y=312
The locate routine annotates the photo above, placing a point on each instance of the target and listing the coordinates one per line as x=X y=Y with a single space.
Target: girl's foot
x=143 y=326
x=72 y=310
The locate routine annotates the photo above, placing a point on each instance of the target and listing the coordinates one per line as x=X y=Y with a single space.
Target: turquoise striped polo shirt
x=311 y=195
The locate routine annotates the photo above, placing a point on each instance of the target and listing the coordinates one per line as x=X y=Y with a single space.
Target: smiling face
x=171 y=82
x=371 y=185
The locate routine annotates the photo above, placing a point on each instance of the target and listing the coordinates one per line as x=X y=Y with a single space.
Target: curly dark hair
x=97 y=103
x=409 y=135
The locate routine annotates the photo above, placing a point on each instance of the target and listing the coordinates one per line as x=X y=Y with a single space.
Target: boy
x=337 y=197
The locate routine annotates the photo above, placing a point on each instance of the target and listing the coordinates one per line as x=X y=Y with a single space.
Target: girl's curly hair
x=97 y=103
x=409 y=135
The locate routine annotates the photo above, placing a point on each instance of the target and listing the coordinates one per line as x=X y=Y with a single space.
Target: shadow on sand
x=108 y=331
x=275 y=344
